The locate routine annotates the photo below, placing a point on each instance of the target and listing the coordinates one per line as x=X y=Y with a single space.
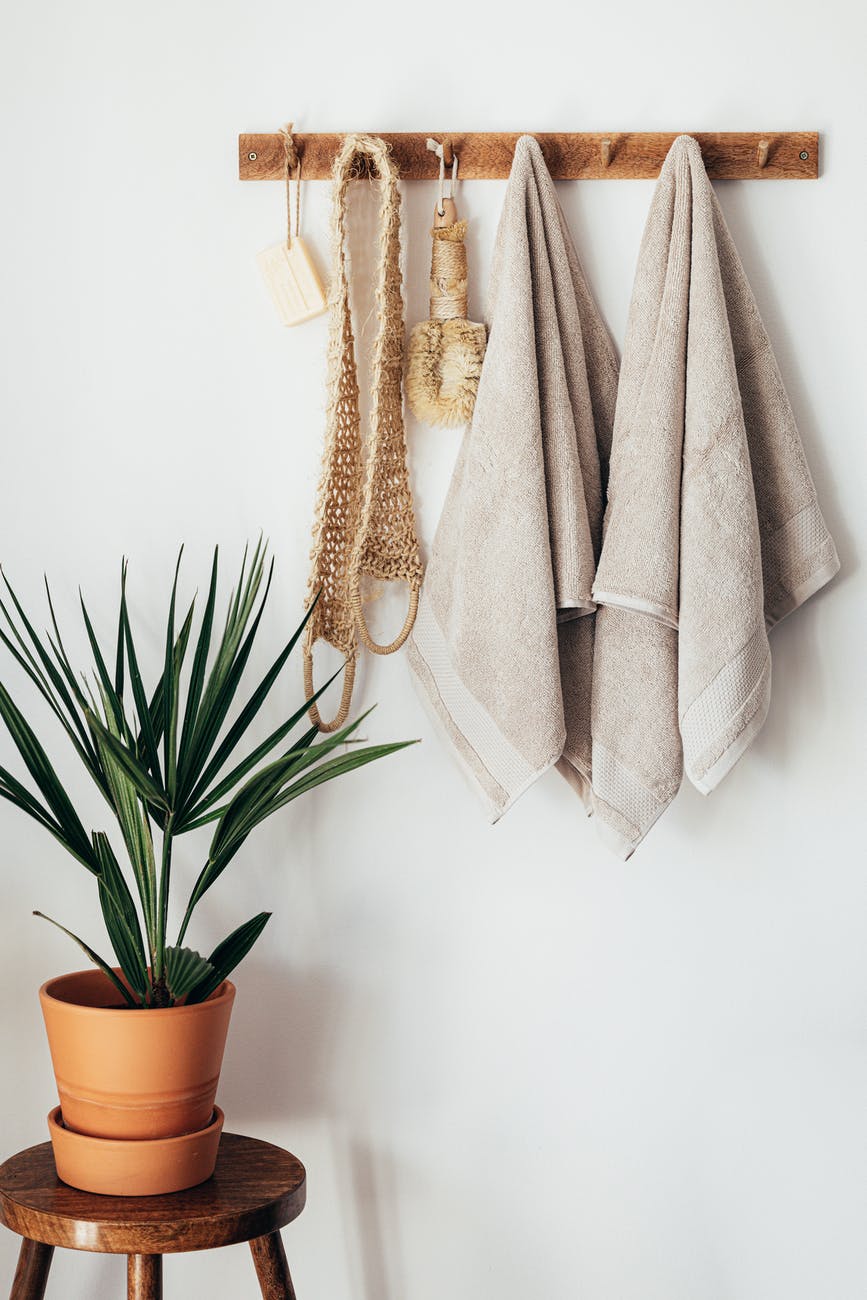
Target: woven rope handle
x=345 y=699
x=367 y=640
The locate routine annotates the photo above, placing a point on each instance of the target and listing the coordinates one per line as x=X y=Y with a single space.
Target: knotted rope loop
x=293 y=166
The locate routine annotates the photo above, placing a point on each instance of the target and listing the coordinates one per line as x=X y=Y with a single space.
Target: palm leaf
x=36 y=760
x=336 y=767
x=185 y=969
x=200 y=664
x=171 y=685
x=250 y=806
x=227 y=955
x=157 y=708
x=52 y=687
x=106 y=683
x=149 y=749
x=265 y=795
x=191 y=817
x=95 y=958
x=18 y=794
x=135 y=770
x=119 y=657
x=206 y=812
x=229 y=663
x=248 y=714
x=135 y=828
x=120 y=916
x=59 y=652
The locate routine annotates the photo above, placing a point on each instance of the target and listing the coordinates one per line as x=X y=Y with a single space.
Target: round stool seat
x=256 y=1189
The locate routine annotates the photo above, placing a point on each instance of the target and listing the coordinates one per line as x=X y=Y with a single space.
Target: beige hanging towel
x=712 y=529
x=502 y=646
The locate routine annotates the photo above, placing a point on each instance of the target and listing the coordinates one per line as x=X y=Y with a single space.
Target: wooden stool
x=256 y=1189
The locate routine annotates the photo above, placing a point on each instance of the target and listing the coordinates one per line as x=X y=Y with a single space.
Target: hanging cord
x=436 y=148
x=293 y=164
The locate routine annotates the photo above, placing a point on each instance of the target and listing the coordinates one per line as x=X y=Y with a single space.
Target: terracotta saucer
x=142 y=1167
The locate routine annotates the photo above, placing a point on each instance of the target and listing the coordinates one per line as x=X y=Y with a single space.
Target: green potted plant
x=137 y=1043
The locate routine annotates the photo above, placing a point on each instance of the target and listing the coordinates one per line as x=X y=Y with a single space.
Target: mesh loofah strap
x=364 y=524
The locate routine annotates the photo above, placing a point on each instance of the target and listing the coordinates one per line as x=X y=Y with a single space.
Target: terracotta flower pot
x=128 y=1073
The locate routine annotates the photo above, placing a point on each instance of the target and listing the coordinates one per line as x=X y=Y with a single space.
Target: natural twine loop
x=365 y=523
x=293 y=165
x=345 y=698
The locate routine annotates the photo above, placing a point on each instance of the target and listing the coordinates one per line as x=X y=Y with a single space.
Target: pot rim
x=225 y=992
x=86 y=1141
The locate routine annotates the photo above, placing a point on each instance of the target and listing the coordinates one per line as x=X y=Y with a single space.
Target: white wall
x=513 y=1065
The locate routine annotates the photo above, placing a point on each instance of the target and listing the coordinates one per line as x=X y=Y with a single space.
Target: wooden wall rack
x=728 y=155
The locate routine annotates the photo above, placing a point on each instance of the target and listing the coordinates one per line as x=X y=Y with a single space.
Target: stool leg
x=144 y=1277
x=31 y=1275
x=271 y=1267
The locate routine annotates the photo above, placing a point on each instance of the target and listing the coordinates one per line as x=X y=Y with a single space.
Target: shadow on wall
x=280 y=1054
x=281 y=1063
x=373 y=1187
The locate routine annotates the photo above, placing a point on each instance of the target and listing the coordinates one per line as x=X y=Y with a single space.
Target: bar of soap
x=293 y=281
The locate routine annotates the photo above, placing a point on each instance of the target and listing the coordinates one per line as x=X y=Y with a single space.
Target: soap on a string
x=293 y=281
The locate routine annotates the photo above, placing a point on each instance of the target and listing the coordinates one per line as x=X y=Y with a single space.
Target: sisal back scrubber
x=446 y=352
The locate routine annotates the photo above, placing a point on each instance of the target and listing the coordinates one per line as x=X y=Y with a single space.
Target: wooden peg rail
x=728 y=155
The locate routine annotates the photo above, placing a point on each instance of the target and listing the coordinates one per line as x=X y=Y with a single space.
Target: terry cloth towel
x=712 y=528
x=502 y=647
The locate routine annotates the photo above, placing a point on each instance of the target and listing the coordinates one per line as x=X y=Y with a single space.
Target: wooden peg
x=605 y=151
x=762 y=153
x=448 y=156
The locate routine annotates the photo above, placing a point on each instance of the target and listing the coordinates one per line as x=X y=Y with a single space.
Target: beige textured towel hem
x=496 y=769
x=712 y=529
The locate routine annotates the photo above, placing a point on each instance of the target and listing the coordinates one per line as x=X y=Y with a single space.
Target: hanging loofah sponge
x=446 y=352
